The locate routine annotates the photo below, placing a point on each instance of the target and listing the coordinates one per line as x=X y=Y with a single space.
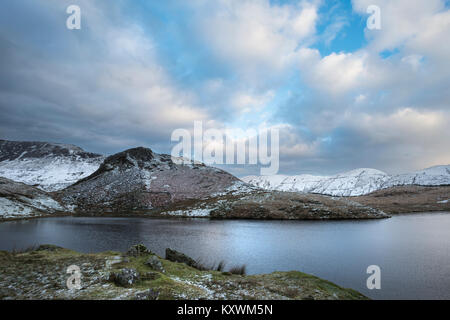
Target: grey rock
x=125 y=278
x=175 y=256
x=149 y=294
x=138 y=250
x=154 y=263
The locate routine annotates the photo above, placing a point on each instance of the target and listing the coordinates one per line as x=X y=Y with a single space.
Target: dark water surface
x=413 y=251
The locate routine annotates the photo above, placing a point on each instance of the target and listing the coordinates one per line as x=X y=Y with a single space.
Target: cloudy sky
x=342 y=96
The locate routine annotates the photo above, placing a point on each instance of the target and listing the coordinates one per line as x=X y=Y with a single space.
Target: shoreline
x=181 y=217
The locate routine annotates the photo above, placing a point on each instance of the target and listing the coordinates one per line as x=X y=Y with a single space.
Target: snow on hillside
x=49 y=166
x=21 y=200
x=50 y=173
x=26 y=207
x=434 y=176
x=353 y=183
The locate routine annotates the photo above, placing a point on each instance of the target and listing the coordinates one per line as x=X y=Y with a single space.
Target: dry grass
x=405 y=199
x=241 y=270
x=202 y=266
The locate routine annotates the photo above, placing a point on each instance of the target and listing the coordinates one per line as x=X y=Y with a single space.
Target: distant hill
x=353 y=183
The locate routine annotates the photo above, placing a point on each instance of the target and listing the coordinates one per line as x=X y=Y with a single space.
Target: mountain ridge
x=55 y=166
x=356 y=182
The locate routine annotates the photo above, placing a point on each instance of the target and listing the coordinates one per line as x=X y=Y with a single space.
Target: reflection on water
x=413 y=251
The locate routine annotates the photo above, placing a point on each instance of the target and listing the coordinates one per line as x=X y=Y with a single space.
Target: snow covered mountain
x=49 y=166
x=434 y=176
x=353 y=183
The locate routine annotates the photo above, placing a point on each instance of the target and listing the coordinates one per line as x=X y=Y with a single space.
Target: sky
x=342 y=96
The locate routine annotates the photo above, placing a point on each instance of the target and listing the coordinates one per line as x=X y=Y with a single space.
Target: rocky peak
x=136 y=157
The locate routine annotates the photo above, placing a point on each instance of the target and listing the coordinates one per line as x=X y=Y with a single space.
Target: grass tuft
x=241 y=270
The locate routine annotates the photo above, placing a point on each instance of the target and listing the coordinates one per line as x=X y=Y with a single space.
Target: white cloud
x=110 y=84
x=255 y=36
x=340 y=72
x=247 y=102
x=414 y=60
x=414 y=138
x=419 y=26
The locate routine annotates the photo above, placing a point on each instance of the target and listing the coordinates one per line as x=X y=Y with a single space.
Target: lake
x=413 y=251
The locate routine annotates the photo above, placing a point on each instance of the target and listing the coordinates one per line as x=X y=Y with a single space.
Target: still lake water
x=413 y=251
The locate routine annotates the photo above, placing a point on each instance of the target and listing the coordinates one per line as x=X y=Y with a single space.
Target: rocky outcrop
x=18 y=200
x=126 y=277
x=49 y=166
x=175 y=256
x=138 y=250
x=139 y=179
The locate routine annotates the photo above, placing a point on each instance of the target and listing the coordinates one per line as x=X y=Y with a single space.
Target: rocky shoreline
x=139 y=274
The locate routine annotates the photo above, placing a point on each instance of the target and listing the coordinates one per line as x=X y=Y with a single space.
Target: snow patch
x=190 y=213
x=11 y=209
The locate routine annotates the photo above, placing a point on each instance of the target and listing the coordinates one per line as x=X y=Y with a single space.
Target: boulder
x=125 y=277
x=149 y=294
x=138 y=250
x=175 y=256
x=154 y=263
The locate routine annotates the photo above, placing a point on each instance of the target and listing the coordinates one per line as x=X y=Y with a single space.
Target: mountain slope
x=139 y=179
x=434 y=176
x=18 y=200
x=49 y=166
x=407 y=199
x=353 y=183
